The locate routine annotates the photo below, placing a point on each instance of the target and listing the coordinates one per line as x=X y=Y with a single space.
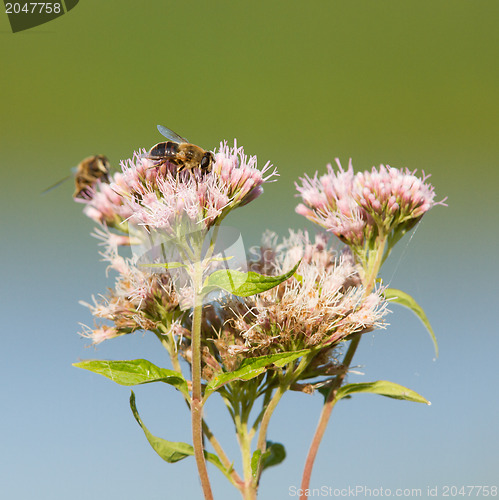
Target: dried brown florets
x=322 y=304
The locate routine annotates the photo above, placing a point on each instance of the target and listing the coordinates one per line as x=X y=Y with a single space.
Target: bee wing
x=64 y=179
x=171 y=135
x=58 y=183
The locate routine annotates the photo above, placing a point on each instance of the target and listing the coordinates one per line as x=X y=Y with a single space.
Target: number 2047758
x=469 y=491
x=33 y=8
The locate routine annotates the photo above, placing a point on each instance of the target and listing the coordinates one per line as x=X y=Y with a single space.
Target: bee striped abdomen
x=164 y=150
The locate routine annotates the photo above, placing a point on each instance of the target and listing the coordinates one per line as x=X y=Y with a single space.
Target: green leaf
x=221 y=259
x=134 y=372
x=274 y=454
x=252 y=367
x=172 y=451
x=169 y=451
x=383 y=388
x=166 y=265
x=244 y=284
x=404 y=299
x=255 y=462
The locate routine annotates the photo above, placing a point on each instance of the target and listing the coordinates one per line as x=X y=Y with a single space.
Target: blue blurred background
x=411 y=84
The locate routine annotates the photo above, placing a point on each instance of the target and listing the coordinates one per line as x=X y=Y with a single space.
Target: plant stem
x=196 y=403
x=249 y=490
x=373 y=266
x=262 y=435
x=240 y=414
x=266 y=400
x=325 y=415
x=236 y=478
x=169 y=345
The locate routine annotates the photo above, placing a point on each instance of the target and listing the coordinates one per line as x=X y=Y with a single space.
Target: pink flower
x=100 y=334
x=359 y=207
x=393 y=197
x=329 y=202
x=160 y=198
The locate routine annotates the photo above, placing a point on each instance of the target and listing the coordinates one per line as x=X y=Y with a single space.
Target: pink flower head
x=328 y=201
x=393 y=197
x=158 y=197
x=240 y=174
x=359 y=207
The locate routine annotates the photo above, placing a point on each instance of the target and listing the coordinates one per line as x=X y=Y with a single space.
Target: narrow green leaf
x=134 y=372
x=404 y=299
x=244 y=284
x=169 y=451
x=255 y=462
x=252 y=367
x=274 y=454
x=383 y=388
x=166 y=265
x=221 y=259
x=172 y=451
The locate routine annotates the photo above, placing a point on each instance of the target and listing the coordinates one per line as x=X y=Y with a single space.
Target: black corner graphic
x=70 y=4
x=26 y=15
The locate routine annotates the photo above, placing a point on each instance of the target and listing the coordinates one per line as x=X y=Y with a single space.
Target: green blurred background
x=411 y=84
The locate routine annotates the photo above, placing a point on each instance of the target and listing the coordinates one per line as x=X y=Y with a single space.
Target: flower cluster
x=155 y=195
x=156 y=207
x=322 y=304
x=140 y=300
x=251 y=329
x=359 y=207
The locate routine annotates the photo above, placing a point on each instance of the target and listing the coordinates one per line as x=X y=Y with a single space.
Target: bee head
x=207 y=161
x=103 y=164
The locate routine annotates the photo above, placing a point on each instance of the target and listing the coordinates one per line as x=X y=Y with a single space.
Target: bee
x=180 y=152
x=89 y=171
x=86 y=174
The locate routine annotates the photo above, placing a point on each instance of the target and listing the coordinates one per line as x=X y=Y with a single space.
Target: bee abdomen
x=163 y=150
